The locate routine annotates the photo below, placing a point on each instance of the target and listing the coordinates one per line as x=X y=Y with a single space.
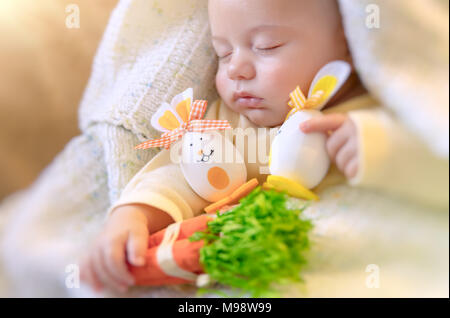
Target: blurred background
x=44 y=67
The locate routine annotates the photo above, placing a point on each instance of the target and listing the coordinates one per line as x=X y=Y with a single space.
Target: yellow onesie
x=390 y=159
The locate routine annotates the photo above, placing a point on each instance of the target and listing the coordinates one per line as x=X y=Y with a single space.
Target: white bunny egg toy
x=202 y=147
x=299 y=161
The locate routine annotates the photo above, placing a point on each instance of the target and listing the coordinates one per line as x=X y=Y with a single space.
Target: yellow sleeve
x=161 y=184
x=394 y=160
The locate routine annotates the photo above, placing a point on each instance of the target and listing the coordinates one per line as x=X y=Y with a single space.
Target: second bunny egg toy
x=299 y=161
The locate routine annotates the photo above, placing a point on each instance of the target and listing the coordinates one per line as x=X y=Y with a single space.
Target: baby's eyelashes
x=269 y=48
x=221 y=57
x=263 y=49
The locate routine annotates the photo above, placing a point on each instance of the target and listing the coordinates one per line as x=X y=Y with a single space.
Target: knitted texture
x=150 y=51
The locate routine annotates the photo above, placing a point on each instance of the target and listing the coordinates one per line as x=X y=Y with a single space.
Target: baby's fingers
x=324 y=123
x=103 y=273
x=346 y=154
x=137 y=245
x=87 y=274
x=335 y=142
x=115 y=263
x=352 y=168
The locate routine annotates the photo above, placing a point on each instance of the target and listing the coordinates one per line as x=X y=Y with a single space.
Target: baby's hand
x=342 y=145
x=125 y=237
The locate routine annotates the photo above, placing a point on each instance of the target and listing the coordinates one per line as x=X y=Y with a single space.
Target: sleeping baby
x=266 y=48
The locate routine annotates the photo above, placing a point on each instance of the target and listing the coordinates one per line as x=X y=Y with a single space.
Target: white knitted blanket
x=152 y=50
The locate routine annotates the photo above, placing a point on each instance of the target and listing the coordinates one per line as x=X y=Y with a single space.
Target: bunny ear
x=181 y=104
x=169 y=117
x=329 y=80
x=165 y=119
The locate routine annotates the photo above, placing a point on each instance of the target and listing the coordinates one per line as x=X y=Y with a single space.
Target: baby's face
x=268 y=47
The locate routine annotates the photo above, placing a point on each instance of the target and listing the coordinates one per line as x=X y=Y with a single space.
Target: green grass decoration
x=256 y=245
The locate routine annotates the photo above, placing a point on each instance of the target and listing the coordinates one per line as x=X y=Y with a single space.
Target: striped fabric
x=299 y=101
x=194 y=124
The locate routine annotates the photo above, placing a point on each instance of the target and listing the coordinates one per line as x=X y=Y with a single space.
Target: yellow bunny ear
x=183 y=108
x=169 y=121
x=328 y=81
x=181 y=104
x=165 y=119
x=169 y=117
x=326 y=85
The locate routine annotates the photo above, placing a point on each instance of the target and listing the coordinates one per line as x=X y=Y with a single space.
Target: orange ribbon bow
x=298 y=101
x=195 y=123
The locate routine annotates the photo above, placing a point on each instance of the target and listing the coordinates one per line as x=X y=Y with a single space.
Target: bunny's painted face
x=201 y=147
x=205 y=168
x=268 y=47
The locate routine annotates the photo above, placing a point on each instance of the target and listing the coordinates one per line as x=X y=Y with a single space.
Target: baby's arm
x=155 y=197
x=389 y=157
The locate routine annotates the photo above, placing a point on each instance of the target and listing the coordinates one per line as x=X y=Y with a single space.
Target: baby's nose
x=240 y=68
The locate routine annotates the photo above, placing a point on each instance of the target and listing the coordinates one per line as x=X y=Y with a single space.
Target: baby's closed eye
x=269 y=47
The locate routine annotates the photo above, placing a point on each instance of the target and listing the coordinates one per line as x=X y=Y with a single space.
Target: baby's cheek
x=225 y=90
x=281 y=79
x=221 y=84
